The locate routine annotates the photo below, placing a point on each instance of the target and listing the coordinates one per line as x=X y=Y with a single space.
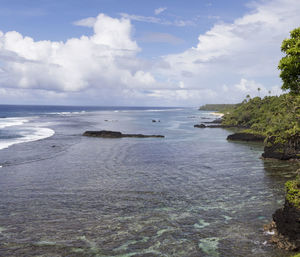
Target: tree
x=290 y=64
x=258 y=89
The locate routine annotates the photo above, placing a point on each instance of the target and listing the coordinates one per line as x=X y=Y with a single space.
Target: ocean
x=192 y=193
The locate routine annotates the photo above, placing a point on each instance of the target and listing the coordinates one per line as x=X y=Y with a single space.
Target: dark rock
x=287 y=227
x=153 y=120
x=216 y=126
x=224 y=126
x=246 y=137
x=199 y=126
x=289 y=149
x=115 y=134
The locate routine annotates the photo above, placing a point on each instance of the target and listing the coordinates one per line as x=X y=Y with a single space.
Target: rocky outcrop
x=282 y=150
x=115 y=134
x=246 y=137
x=287 y=220
x=199 y=126
x=285 y=228
x=216 y=126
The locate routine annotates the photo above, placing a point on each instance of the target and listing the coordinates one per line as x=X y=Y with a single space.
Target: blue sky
x=53 y=20
x=141 y=52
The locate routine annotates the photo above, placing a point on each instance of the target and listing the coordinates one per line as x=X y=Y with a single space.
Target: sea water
x=192 y=193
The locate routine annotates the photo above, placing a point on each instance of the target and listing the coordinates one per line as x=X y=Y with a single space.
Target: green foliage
x=224 y=108
x=293 y=192
x=290 y=64
x=271 y=116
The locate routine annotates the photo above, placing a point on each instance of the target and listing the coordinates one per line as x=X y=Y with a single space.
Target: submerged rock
x=246 y=137
x=282 y=150
x=115 y=134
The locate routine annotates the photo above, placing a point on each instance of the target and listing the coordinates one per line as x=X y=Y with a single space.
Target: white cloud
x=246 y=50
x=230 y=61
x=159 y=10
x=77 y=64
x=148 y=19
x=156 y=20
x=87 y=22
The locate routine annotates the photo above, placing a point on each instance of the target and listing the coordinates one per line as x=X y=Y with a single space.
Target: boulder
x=115 y=134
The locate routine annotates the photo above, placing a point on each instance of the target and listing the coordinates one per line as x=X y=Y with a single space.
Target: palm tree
x=258 y=89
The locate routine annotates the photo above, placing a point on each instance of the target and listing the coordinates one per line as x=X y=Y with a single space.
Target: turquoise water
x=192 y=193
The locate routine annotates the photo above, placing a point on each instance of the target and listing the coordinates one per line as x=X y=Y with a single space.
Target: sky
x=141 y=53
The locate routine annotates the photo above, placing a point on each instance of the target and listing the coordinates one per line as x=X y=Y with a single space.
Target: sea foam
x=28 y=135
x=8 y=122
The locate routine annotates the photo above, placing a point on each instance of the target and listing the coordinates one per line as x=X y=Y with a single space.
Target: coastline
x=280 y=143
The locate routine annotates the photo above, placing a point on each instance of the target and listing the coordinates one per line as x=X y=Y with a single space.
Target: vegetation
x=293 y=192
x=223 y=108
x=290 y=64
x=271 y=116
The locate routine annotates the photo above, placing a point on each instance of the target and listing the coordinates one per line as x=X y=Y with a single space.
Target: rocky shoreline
x=217 y=126
x=285 y=227
x=248 y=137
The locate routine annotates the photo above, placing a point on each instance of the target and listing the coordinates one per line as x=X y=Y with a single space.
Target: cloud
x=159 y=10
x=248 y=49
x=87 y=22
x=78 y=64
x=156 y=20
x=229 y=61
x=156 y=37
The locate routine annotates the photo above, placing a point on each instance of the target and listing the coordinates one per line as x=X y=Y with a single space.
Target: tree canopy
x=290 y=64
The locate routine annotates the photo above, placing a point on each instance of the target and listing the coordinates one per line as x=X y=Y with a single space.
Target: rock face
x=285 y=227
x=246 y=137
x=290 y=149
x=115 y=134
x=287 y=222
